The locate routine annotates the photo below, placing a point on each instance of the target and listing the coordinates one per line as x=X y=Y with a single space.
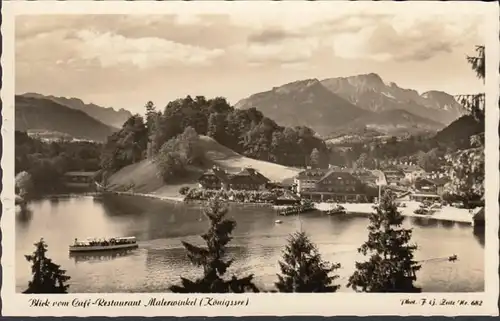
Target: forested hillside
x=247 y=132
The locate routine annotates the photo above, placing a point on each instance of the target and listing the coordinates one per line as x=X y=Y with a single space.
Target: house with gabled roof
x=333 y=184
x=429 y=189
x=214 y=179
x=412 y=172
x=246 y=179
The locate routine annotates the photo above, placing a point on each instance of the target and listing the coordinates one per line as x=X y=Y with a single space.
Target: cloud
x=271 y=35
x=410 y=40
x=113 y=46
x=198 y=39
x=111 y=49
x=285 y=51
x=198 y=30
x=376 y=37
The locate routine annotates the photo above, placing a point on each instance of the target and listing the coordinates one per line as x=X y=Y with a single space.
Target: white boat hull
x=94 y=248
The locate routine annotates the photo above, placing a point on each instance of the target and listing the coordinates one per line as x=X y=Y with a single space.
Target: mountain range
x=108 y=116
x=332 y=107
x=42 y=114
x=364 y=101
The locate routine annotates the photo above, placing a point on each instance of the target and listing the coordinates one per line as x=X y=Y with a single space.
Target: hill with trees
x=247 y=132
x=47 y=162
x=144 y=176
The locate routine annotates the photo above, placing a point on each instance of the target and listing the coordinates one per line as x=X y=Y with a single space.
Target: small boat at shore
x=339 y=209
x=278 y=222
x=423 y=210
x=114 y=243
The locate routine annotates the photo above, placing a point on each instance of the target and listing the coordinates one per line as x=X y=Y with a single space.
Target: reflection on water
x=257 y=244
x=424 y=221
x=97 y=256
x=23 y=216
x=479 y=234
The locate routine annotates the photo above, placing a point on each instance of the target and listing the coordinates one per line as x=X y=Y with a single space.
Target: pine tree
x=212 y=257
x=391 y=266
x=150 y=116
x=48 y=277
x=302 y=268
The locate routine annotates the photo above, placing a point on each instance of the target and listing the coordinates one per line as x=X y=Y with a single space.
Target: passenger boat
x=339 y=209
x=114 y=243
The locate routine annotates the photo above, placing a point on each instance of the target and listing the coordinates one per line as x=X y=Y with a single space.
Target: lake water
x=257 y=245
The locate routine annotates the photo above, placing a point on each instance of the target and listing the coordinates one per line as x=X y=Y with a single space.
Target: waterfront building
x=428 y=189
x=323 y=185
x=246 y=179
x=214 y=179
x=79 y=179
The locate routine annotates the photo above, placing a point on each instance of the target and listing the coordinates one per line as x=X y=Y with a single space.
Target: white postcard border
x=270 y=304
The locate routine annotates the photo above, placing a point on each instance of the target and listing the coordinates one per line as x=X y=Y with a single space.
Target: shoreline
x=180 y=199
x=447 y=213
x=175 y=199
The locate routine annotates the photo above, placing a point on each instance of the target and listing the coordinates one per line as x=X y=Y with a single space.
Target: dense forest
x=47 y=162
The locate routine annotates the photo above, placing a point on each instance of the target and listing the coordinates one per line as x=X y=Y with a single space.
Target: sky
x=123 y=61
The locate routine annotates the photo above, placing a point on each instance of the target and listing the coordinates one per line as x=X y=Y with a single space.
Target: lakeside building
x=247 y=179
x=428 y=189
x=214 y=179
x=79 y=179
x=332 y=184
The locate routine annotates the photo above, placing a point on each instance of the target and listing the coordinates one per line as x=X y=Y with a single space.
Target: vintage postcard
x=250 y=158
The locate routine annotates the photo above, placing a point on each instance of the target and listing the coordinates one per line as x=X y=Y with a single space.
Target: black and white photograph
x=249 y=150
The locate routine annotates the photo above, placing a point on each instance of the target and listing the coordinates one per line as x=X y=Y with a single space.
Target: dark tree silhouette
x=474 y=103
x=391 y=266
x=48 y=277
x=303 y=270
x=466 y=167
x=212 y=257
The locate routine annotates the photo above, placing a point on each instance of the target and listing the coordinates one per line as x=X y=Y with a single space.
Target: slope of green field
x=143 y=175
